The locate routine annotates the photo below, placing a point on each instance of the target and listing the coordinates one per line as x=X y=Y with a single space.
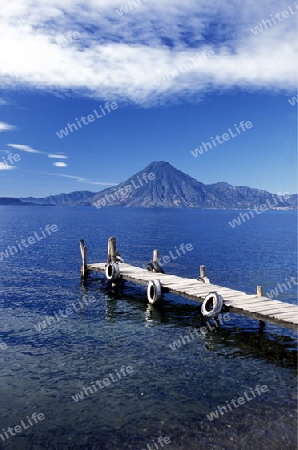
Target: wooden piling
x=112 y=251
x=155 y=256
x=202 y=271
x=84 y=268
x=259 y=291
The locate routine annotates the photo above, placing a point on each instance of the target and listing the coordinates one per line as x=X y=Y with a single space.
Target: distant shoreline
x=20 y=203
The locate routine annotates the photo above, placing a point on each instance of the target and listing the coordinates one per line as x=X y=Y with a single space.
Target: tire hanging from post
x=217 y=304
x=154 y=291
x=112 y=271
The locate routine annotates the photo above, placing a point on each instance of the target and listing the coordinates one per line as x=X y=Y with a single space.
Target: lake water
x=168 y=393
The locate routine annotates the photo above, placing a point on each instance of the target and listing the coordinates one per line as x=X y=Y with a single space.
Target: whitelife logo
x=240 y=400
x=86 y=119
x=201 y=58
x=161 y=441
x=131 y=5
x=166 y=259
x=12 y=250
x=12 y=159
x=3 y=346
x=205 y=146
x=281 y=287
x=124 y=371
x=293 y=101
x=52 y=320
x=271 y=22
x=199 y=333
x=23 y=426
x=127 y=189
x=244 y=216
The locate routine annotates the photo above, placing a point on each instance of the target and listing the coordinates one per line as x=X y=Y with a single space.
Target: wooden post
x=112 y=250
x=262 y=325
x=259 y=291
x=155 y=255
x=112 y=253
x=202 y=271
x=83 y=249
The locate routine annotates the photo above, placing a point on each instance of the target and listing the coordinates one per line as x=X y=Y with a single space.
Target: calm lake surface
x=170 y=392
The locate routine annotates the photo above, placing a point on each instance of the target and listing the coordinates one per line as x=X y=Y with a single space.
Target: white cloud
x=57 y=156
x=24 y=148
x=101 y=183
x=29 y=149
x=81 y=179
x=4 y=166
x=60 y=164
x=123 y=56
x=6 y=127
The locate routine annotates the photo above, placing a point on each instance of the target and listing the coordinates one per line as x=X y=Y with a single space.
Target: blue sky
x=60 y=62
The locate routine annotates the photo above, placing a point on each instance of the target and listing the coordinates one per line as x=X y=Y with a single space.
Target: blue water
x=169 y=392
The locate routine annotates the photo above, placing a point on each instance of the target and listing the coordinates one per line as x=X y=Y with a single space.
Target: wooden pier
x=256 y=306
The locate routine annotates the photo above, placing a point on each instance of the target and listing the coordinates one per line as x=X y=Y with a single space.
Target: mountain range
x=162 y=185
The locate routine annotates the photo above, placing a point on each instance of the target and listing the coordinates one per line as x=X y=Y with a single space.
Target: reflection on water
x=249 y=336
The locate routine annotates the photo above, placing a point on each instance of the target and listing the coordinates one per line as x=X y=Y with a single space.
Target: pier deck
x=255 y=306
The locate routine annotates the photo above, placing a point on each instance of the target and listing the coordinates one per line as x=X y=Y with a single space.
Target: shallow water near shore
x=170 y=392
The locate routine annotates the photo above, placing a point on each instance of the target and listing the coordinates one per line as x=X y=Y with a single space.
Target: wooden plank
x=190 y=287
x=176 y=281
x=198 y=288
x=185 y=289
x=253 y=301
x=228 y=290
x=148 y=276
x=293 y=314
x=276 y=312
x=252 y=304
x=270 y=309
x=195 y=292
x=267 y=312
x=265 y=306
x=238 y=297
x=244 y=306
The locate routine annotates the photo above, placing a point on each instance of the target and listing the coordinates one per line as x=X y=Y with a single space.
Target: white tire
x=154 y=291
x=112 y=271
x=216 y=301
